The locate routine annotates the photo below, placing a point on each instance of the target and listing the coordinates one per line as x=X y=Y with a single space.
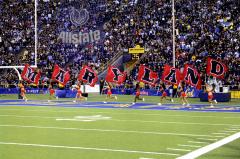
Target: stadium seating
x=205 y=28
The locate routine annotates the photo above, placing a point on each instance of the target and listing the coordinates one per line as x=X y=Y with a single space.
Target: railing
x=112 y=60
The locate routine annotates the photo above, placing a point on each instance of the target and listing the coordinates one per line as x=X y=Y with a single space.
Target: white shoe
x=26 y=100
x=143 y=99
x=115 y=97
x=183 y=104
x=56 y=97
x=159 y=104
x=85 y=99
x=48 y=101
x=172 y=100
x=133 y=103
x=215 y=101
x=105 y=102
x=188 y=105
x=74 y=101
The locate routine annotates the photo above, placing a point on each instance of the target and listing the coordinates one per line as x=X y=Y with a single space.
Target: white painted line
x=207 y=139
x=118 y=120
x=219 y=136
x=184 y=123
x=228 y=131
x=30 y=116
x=88 y=148
x=85 y=118
x=235 y=126
x=106 y=130
x=208 y=148
x=195 y=146
x=105 y=112
x=220 y=133
x=231 y=117
x=185 y=150
x=234 y=129
x=197 y=142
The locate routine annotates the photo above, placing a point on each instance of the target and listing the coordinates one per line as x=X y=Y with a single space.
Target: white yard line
x=208 y=148
x=219 y=136
x=88 y=148
x=235 y=126
x=220 y=133
x=207 y=139
x=29 y=116
x=234 y=129
x=185 y=150
x=197 y=142
x=184 y=123
x=231 y=117
x=119 y=120
x=105 y=112
x=228 y=131
x=107 y=130
x=194 y=146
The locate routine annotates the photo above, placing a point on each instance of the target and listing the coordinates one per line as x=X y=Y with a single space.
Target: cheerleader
x=183 y=94
x=23 y=92
x=137 y=96
x=162 y=89
x=51 y=93
x=210 y=90
x=109 y=93
x=79 y=96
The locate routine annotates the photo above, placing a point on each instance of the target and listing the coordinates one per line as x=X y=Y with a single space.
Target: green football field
x=58 y=132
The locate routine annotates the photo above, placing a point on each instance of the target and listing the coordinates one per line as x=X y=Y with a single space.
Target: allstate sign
x=79 y=18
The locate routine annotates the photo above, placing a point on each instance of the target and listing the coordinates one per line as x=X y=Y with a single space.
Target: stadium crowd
x=203 y=28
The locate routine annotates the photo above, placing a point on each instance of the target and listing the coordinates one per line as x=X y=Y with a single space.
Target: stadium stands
x=205 y=28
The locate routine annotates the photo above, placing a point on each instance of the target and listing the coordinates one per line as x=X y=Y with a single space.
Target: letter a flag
x=87 y=75
x=146 y=75
x=115 y=75
x=216 y=68
x=171 y=75
x=60 y=75
x=30 y=75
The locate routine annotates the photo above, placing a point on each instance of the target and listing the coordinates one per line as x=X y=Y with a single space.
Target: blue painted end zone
x=119 y=105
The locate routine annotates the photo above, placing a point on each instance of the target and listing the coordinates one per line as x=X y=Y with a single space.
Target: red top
x=109 y=91
x=52 y=91
x=79 y=91
x=23 y=91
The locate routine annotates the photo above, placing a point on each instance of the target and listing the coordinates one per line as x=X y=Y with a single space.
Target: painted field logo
x=85 y=118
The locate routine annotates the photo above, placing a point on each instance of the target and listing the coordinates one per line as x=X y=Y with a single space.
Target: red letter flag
x=60 y=75
x=171 y=74
x=216 y=68
x=191 y=76
x=30 y=75
x=87 y=75
x=146 y=75
x=115 y=75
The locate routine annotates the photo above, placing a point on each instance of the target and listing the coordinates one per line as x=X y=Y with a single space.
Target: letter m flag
x=30 y=75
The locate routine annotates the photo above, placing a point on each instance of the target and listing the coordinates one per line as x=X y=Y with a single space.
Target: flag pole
x=173 y=34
